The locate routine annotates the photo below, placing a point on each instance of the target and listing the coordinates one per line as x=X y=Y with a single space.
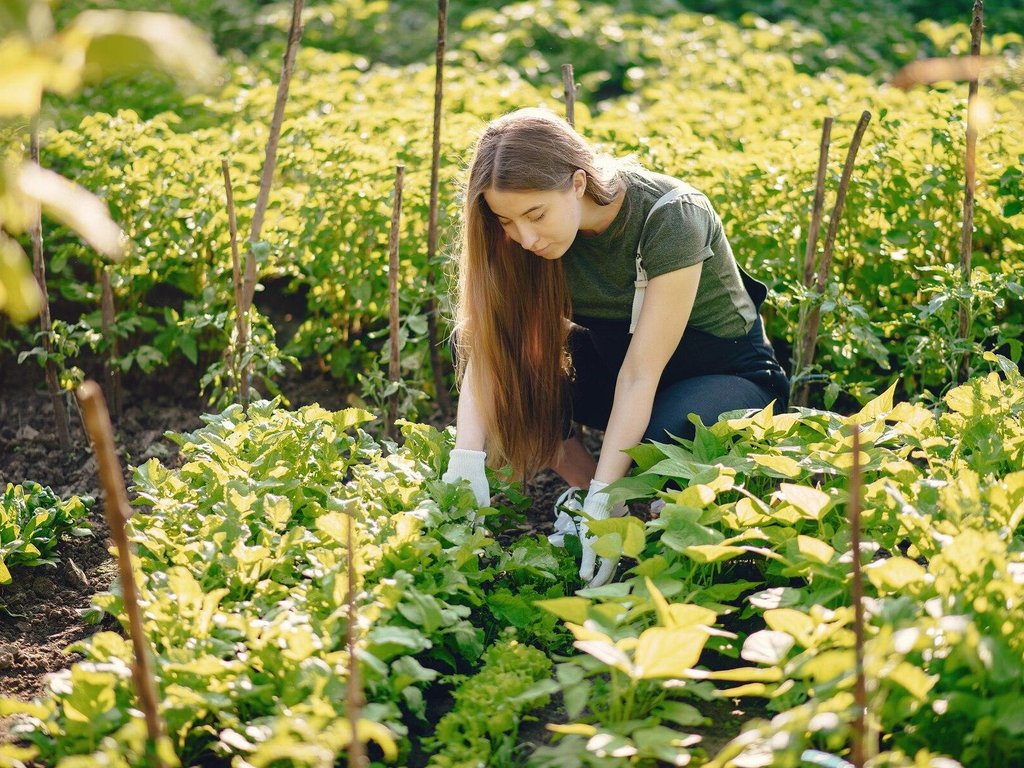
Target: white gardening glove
x=464 y=464
x=596 y=507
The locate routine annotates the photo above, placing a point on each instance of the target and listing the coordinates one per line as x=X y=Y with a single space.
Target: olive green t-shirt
x=601 y=269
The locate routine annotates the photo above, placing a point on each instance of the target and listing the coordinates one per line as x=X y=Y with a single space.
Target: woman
x=552 y=230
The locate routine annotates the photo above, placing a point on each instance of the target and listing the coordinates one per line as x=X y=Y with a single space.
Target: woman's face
x=545 y=222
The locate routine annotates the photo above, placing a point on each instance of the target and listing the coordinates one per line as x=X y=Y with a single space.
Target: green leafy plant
x=33 y=520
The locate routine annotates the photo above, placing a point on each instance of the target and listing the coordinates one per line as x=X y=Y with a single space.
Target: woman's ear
x=579 y=183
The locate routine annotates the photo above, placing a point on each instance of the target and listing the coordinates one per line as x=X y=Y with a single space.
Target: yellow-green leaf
x=914 y=679
x=572 y=609
x=19 y=292
x=829 y=665
x=664 y=652
x=815 y=549
x=810 y=502
x=799 y=625
x=712 y=553
x=894 y=574
x=779 y=466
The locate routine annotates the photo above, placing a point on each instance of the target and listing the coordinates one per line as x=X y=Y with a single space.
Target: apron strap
x=640 y=284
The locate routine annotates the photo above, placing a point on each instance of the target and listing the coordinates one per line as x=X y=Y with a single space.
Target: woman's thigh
x=707 y=396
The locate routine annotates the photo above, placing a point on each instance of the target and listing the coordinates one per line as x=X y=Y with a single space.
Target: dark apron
x=699 y=353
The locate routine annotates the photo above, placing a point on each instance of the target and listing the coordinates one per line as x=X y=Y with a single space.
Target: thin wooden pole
x=860 y=686
x=394 y=369
x=810 y=337
x=117 y=511
x=270 y=161
x=266 y=182
x=354 y=698
x=107 y=318
x=569 y=84
x=798 y=397
x=819 y=201
x=241 y=325
x=967 y=231
x=60 y=413
x=444 y=399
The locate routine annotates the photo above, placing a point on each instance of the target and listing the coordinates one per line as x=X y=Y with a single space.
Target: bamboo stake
x=60 y=413
x=436 y=365
x=819 y=202
x=117 y=511
x=394 y=370
x=266 y=182
x=860 y=686
x=241 y=326
x=569 y=83
x=810 y=338
x=270 y=161
x=799 y=364
x=354 y=698
x=967 y=232
x=107 y=317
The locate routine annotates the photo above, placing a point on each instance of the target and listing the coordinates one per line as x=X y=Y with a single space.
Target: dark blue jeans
x=706 y=375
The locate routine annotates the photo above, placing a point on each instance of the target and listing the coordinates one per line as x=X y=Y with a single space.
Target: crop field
x=248 y=217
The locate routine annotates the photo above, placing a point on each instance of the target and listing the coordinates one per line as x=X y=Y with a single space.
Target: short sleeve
x=678 y=235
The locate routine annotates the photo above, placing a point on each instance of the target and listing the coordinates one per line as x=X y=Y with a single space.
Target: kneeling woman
x=591 y=290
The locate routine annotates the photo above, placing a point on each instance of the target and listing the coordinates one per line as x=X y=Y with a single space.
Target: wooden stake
x=60 y=413
x=354 y=698
x=241 y=324
x=860 y=687
x=967 y=232
x=117 y=511
x=266 y=182
x=810 y=337
x=819 y=202
x=270 y=161
x=444 y=399
x=799 y=397
x=394 y=369
x=107 y=318
x=569 y=83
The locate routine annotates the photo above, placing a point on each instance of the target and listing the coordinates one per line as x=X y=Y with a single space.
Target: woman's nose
x=527 y=237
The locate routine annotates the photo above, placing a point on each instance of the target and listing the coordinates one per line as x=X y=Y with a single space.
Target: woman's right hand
x=464 y=464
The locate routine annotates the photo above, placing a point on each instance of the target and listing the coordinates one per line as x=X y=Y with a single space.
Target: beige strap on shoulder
x=640 y=284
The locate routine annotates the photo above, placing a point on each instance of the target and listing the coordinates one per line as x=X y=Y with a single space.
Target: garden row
x=682 y=101
x=741 y=587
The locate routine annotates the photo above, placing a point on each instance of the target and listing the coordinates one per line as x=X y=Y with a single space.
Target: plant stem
x=394 y=369
x=117 y=511
x=60 y=413
x=444 y=399
x=967 y=232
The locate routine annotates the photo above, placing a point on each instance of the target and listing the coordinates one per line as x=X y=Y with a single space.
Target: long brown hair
x=512 y=306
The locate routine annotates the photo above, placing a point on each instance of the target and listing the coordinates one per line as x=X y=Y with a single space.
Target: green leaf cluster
x=243 y=555
x=482 y=727
x=32 y=521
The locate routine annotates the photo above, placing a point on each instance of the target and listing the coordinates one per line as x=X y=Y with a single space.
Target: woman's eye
x=535 y=220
